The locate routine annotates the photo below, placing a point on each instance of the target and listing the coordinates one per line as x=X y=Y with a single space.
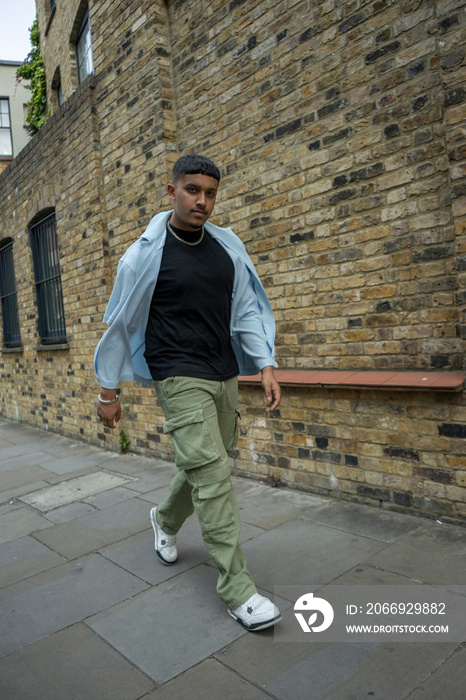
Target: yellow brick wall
x=339 y=131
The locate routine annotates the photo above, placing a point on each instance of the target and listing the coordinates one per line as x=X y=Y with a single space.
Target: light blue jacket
x=119 y=356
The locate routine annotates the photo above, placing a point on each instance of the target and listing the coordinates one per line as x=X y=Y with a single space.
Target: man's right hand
x=109 y=414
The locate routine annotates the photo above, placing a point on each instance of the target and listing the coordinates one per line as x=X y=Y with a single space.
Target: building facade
x=13 y=99
x=339 y=131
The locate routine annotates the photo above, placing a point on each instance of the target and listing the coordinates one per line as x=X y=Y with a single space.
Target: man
x=189 y=313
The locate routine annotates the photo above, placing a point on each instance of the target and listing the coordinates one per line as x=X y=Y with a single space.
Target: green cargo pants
x=202 y=419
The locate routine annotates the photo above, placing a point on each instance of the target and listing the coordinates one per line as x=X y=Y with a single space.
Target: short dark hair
x=194 y=165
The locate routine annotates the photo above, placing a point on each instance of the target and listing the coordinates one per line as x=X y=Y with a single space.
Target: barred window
x=44 y=244
x=10 y=318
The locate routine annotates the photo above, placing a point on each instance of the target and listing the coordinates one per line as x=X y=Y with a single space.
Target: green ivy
x=33 y=71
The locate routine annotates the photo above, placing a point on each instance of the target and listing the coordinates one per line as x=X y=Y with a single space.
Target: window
x=44 y=244
x=6 y=145
x=11 y=332
x=59 y=95
x=57 y=89
x=84 y=49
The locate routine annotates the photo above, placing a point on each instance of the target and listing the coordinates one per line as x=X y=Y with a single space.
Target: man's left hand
x=271 y=388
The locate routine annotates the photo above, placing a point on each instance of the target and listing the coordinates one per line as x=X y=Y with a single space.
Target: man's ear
x=171 y=190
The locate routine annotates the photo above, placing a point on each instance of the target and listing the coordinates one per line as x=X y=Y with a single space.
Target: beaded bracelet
x=107 y=403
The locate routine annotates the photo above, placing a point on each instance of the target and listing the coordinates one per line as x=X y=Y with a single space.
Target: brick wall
x=339 y=130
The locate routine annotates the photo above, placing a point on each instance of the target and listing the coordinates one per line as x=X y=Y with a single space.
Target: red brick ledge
x=413 y=381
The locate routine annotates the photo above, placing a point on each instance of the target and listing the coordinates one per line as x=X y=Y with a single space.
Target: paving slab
x=372 y=576
x=171 y=627
x=132 y=463
x=73 y=490
x=360 y=670
x=345 y=671
x=151 y=614
x=153 y=478
x=72 y=664
x=20 y=433
x=210 y=681
x=313 y=678
x=447 y=681
x=25 y=557
x=58 y=446
x=19 y=523
x=28 y=449
x=9 y=507
x=111 y=497
x=301 y=552
x=243 y=483
x=156 y=496
x=70 y=512
x=60 y=478
x=11 y=494
x=58 y=598
x=14 y=479
x=13 y=451
x=259 y=658
x=363 y=520
x=433 y=553
x=68 y=464
x=137 y=553
x=98 y=529
x=268 y=507
x=25 y=460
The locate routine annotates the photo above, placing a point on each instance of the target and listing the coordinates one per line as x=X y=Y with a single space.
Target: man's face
x=193 y=198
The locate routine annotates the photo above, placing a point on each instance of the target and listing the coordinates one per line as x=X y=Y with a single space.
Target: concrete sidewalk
x=88 y=612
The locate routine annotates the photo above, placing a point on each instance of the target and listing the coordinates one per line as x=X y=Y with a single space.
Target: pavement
x=87 y=612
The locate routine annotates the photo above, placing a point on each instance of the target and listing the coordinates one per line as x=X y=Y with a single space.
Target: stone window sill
x=52 y=346
x=329 y=379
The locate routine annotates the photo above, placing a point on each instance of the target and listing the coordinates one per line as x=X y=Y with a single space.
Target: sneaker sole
x=164 y=561
x=258 y=626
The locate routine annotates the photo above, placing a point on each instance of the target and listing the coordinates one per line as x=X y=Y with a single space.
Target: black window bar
x=10 y=317
x=44 y=244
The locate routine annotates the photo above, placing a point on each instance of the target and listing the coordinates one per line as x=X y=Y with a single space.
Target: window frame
x=9 y=297
x=7 y=128
x=47 y=274
x=84 y=33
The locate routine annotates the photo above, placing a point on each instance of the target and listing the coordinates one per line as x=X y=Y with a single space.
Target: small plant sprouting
x=124 y=442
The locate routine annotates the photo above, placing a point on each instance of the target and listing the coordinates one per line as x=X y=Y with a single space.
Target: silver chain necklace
x=182 y=239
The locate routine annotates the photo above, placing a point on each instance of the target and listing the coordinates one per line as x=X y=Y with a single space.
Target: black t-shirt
x=188 y=330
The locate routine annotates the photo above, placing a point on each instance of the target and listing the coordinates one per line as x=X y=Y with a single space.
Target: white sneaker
x=164 y=544
x=257 y=613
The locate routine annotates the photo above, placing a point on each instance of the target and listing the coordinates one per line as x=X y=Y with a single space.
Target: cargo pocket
x=192 y=441
x=214 y=502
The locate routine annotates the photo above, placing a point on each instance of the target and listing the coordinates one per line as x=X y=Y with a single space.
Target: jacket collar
x=157 y=228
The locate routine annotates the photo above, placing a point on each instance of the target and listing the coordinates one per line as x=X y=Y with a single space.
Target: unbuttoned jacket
x=119 y=356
